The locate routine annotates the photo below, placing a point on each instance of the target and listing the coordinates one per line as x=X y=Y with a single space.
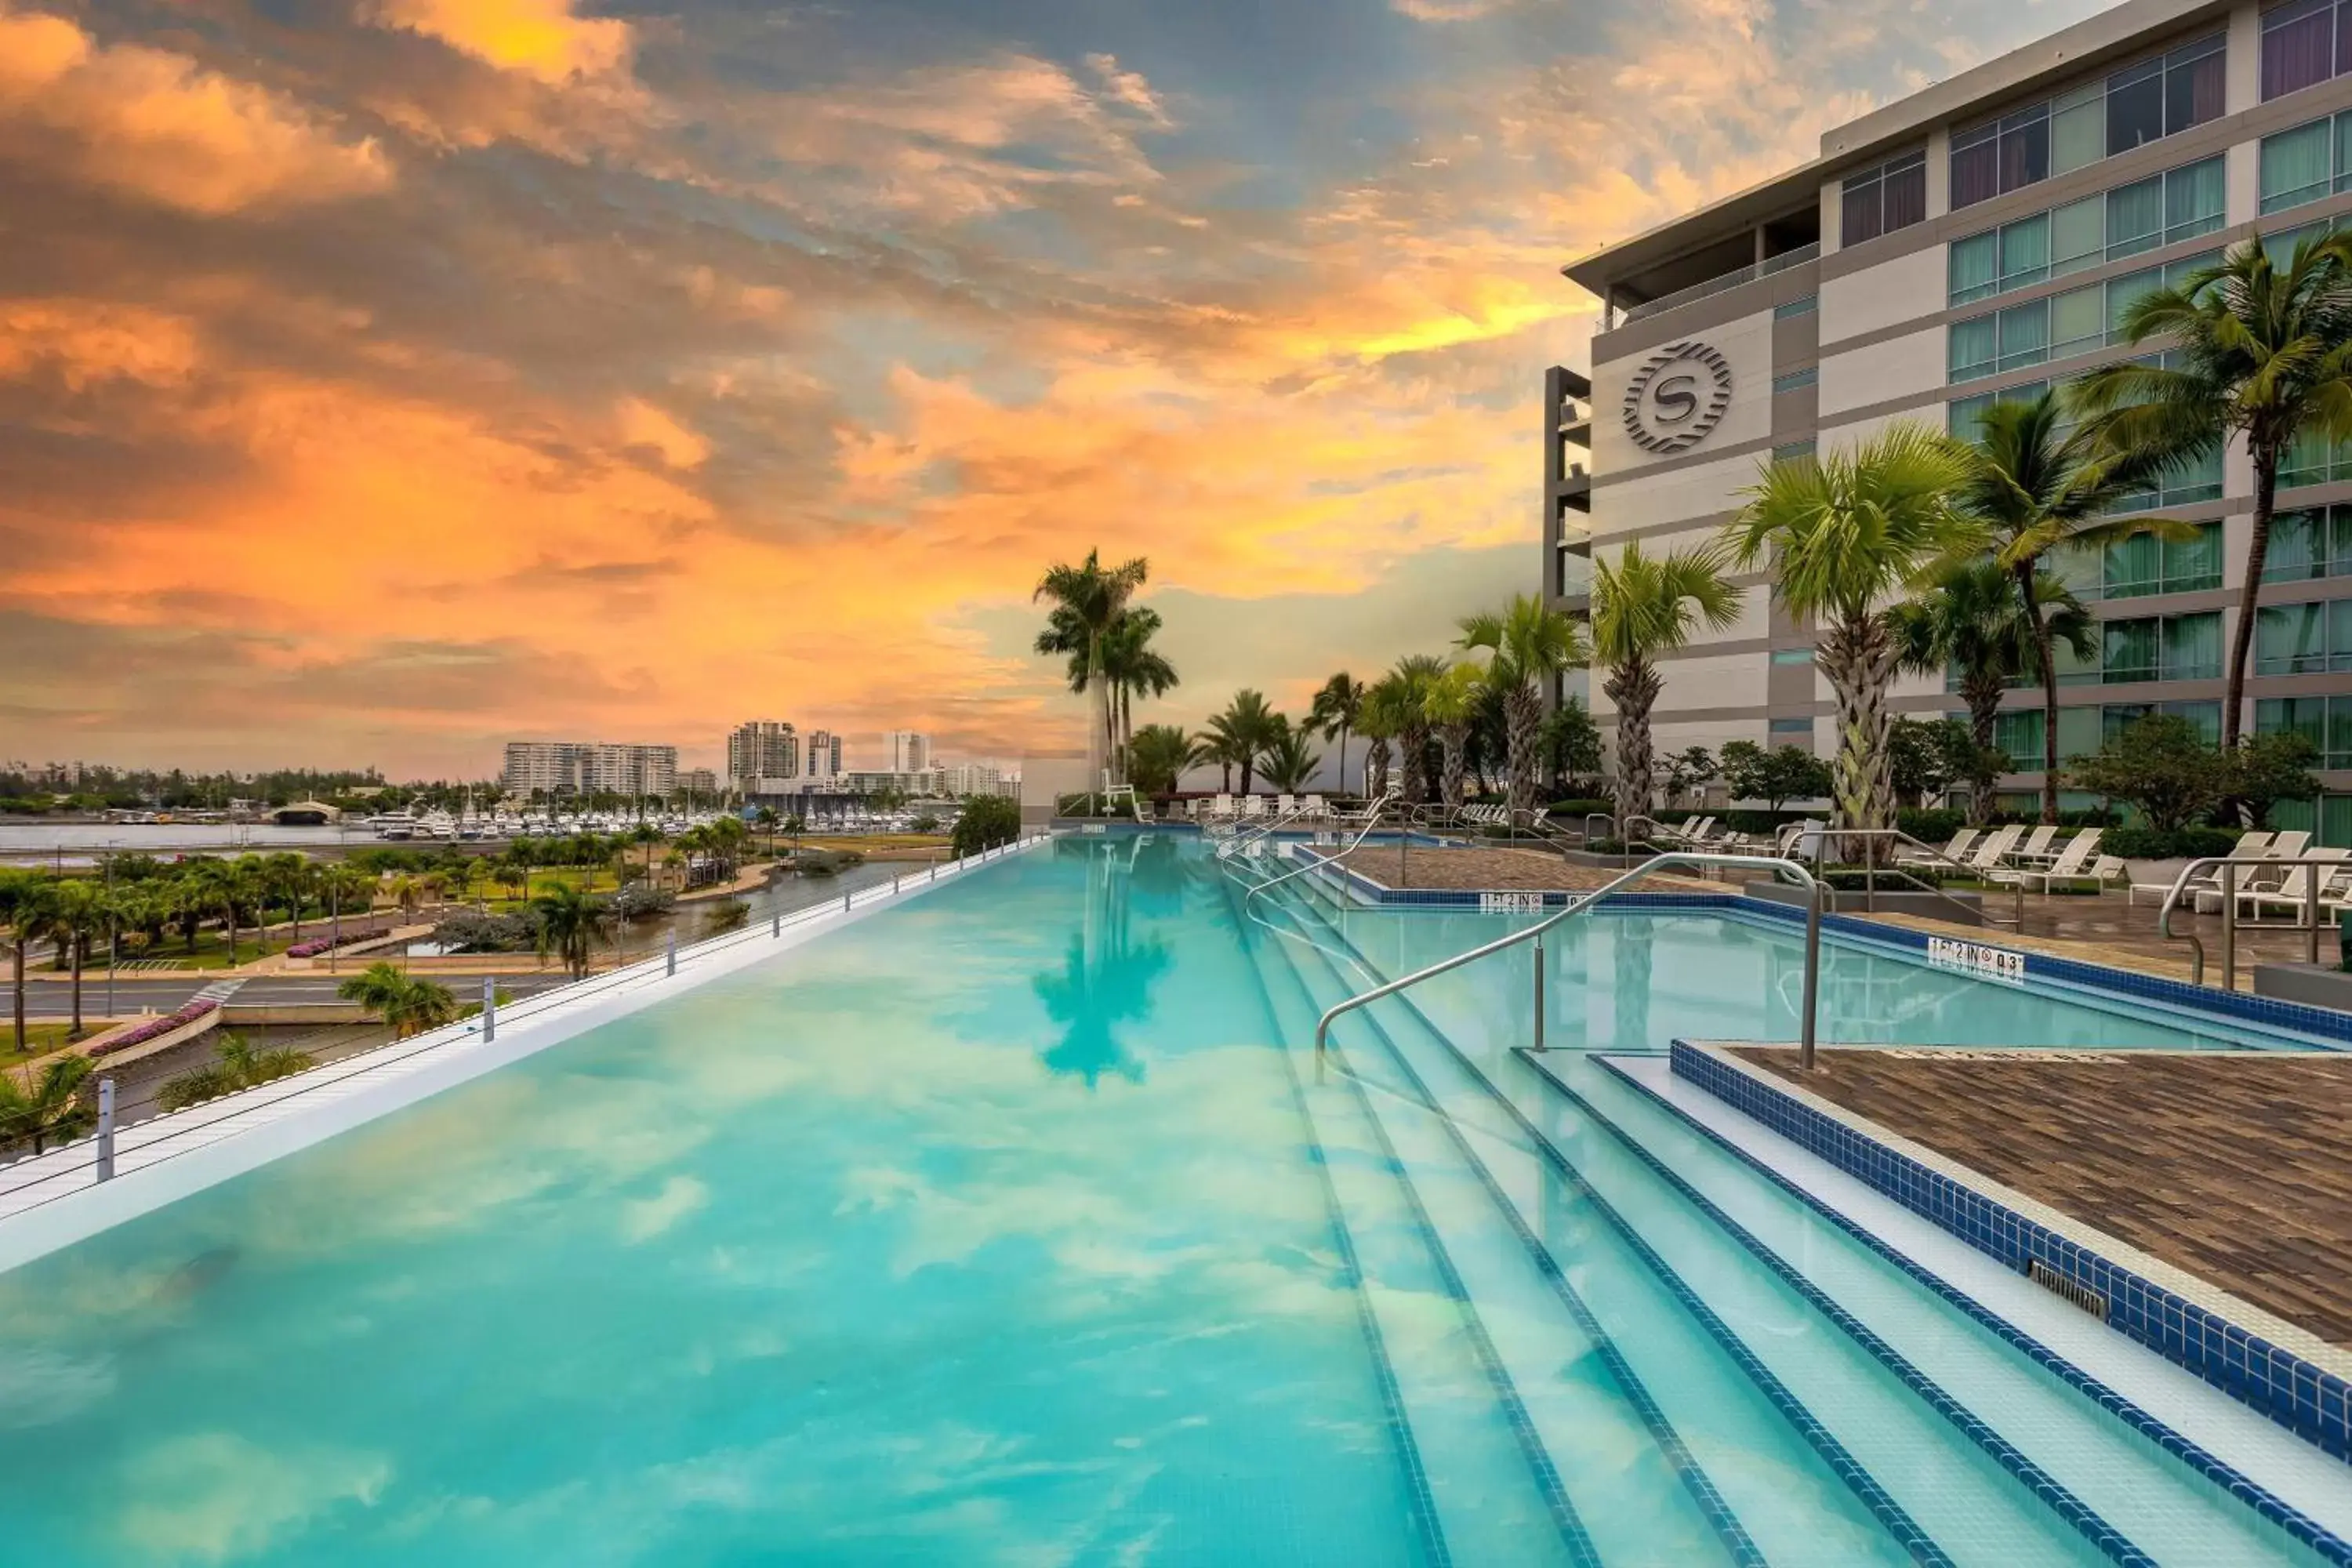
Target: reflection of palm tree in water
x=1105 y=980
x=1630 y=987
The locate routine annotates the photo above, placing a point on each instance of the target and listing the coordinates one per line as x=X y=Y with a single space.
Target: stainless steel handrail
x=2227 y=885
x=1593 y=900
x=1371 y=820
x=1870 y=885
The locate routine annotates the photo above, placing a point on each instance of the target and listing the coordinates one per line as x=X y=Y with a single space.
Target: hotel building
x=1978 y=240
x=763 y=757
x=588 y=767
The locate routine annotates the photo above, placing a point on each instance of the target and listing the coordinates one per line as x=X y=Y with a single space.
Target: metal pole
x=489 y=1008
x=894 y=882
x=844 y=903
x=114 y=941
x=669 y=951
x=2311 y=913
x=1539 y=994
x=106 y=1130
x=2229 y=926
x=1813 y=977
x=776 y=928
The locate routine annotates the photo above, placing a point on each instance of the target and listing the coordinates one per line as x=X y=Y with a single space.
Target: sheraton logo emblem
x=1678 y=397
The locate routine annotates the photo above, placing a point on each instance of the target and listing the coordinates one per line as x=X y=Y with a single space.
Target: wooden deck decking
x=2235 y=1166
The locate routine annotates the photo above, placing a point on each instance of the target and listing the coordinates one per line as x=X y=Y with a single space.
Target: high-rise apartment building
x=588 y=767
x=701 y=785
x=823 y=766
x=1974 y=241
x=908 y=751
x=965 y=779
x=763 y=749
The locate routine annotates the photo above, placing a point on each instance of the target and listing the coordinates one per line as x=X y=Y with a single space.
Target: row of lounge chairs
x=1256 y=808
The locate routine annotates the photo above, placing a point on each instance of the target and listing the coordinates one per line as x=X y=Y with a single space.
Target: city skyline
x=393 y=380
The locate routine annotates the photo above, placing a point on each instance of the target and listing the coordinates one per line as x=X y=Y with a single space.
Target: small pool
x=1012 y=1225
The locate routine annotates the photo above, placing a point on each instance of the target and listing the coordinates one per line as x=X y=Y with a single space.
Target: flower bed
x=155 y=1028
x=316 y=945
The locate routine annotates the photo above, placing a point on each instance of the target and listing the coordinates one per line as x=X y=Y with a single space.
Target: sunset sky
x=384 y=379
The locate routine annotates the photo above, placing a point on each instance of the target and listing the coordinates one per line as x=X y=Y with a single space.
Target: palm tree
x=76 y=913
x=1412 y=675
x=409 y=1005
x=1088 y=605
x=1844 y=533
x=1969 y=621
x=238 y=1065
x=1334 y=711
x=1451 y=704
x=1158 y=756
x=1245 y=728
x=2266 y=355
x=1529 y=644
x=1131 y=665
x=24 y=910
x=1287 y=759
x=48 y=1108
x=1379 y=719
x=2038 y=490
x=765 y=817
x=1643 y=606
x=569 y=923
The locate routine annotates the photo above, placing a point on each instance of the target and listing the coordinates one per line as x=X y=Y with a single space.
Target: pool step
x=1487 y=1492
x=1905 y=1378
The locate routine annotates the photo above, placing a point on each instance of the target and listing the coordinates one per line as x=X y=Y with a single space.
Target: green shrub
x=987 y=821
x=1935 y=826
x=2156 y=843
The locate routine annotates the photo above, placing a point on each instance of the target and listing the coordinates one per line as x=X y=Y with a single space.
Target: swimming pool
x=1015 y=1225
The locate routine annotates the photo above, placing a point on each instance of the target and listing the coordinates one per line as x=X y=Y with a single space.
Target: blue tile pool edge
x=2307 y=1399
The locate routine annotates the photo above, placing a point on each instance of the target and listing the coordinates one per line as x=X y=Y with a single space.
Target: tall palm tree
x=409 y=1005
x=1452 y=705
x=1412 y=675
x=24 y=911
x=1529 y=644
x=1088 y=604
x=2265 y=355
x=1133 y=667
x=569 y=923
x=1289 y=759
x=49 y=1107
x=1844 y=533
x=1644 y=605
x=76 y=913
x=1333 y=713
x=2039 y=489
x=1246 y=727
x=1379 y=719
x=1969 y=620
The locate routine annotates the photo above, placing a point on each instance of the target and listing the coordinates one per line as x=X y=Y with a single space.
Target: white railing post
x=777 y=928
x=489 y=1009
x=844 y=903
x=106 y=1130
x=669 y=953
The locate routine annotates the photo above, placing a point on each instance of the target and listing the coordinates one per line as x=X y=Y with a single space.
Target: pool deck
x=2235 y=1167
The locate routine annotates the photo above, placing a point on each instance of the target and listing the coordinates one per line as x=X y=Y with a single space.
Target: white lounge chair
x=2293 y=893
x=2036 y=845
x=1315 y=806
x=1222 y=808
x=1283 y=805
x=1951 y=852
x=2070 y=863
x=1992 y=848
x=2288 y=844
x=2205 y=887
x=1253 y=807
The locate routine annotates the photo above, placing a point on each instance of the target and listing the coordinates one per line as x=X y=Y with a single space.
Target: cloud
x=213 y=1497
x=643 y=425
x=159 y=126
x=538 y=38
x=642 y=1219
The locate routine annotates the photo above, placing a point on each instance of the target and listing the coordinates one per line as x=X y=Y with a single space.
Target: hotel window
x=2306 y=163
x=1792 y=655
x=1795 y=379
x=2167 y=648
x=2325 y=721
x=2307 y=544
x=2145 y=564
x=2163 y=209
x=2303 y=639
x=2003 y=341
x=2205 y=718
x=1962 y=415
x=2313 y=459
x=1790 y=732
x=2018 y=731
x=1789 y=451
x=1802 y=307
x=2142 y=102
x=1881 y=200
x=2301 y=46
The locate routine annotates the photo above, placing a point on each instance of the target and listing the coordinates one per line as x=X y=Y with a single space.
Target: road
x=163 y=993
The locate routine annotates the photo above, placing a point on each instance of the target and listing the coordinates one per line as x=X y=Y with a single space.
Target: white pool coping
x=54 y=1199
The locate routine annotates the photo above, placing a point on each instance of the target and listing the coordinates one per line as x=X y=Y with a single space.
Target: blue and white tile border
x=54 y=1200
x=2291 y=1376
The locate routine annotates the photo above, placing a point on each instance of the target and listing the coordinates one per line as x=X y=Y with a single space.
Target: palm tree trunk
x=16 y=954
x=1414 y=764
x=1858 y=658
x=1523 y=716
x=1632 y=687
x=1450 y=786
x=2258 y=549
x=75 y=942
x=1343 y=759
x=2049 y=692
x=1982 y=694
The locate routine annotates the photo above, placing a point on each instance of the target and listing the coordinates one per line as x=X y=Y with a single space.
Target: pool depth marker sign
x=1678 y=397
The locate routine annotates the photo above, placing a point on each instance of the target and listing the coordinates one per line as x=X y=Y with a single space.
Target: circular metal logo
x=1678 y=397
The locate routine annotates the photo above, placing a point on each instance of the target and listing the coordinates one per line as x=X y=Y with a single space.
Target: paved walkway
x=2228 y=1164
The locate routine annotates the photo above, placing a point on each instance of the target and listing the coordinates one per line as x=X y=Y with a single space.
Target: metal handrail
x=1256 y=832
x=1371 y=820
x=2229 y=865
x=1870 y=885
x=1591 y=901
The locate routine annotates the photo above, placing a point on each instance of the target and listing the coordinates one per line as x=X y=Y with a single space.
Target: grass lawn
x=40 y=1039
x=878 y=841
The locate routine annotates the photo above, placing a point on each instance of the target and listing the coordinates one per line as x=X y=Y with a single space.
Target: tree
x=24 y=910
x=1379 y=719
x=1412 y=675
x=2161 y=764
x=1843 y=533
x=1527 y=645
x=568 y=924
x=76 y=912
x=1158 y=757
x=1289 y=760
x=2037 y=489
x=1133 y=667
x=1451 y=703
x=411 y=1005
x=2261 y=354
x=1785 y=773
x=766 y=819
x=987 y=821
x=1244 y=729
x=51 y=1108
x=1089 y=603
x=236 y=1066
x=1920 y=757
x=1571 y=742
x=1644 y=605
x=1971 y=619
x=2267 y=769
x=1333 y=713
x=1687 y=769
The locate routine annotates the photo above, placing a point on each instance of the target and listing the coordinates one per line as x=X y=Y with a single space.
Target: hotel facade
x=1978 y=240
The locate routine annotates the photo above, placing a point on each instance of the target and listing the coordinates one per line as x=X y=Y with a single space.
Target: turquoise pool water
x=1007 y=1227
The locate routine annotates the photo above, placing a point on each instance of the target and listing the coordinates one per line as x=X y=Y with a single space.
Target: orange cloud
x=643 y=425
x=84 y=344
x=157 y=125
x=541 y=38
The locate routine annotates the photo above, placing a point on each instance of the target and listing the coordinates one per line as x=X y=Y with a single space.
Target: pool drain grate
x=2057 y=1283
